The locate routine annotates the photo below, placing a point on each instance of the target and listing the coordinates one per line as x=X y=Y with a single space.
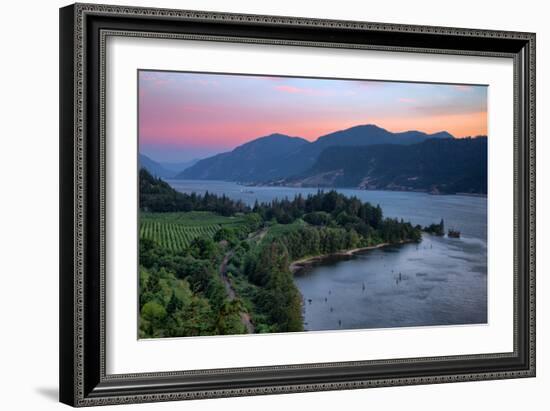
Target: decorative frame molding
x=83 y=32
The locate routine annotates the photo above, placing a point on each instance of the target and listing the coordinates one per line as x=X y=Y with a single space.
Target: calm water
x=440 y=281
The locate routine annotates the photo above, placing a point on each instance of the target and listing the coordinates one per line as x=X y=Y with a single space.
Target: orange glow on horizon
x=459 y=125
x=234 y=134
x=212 y=113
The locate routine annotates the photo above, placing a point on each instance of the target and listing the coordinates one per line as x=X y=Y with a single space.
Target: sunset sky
x=186 y=115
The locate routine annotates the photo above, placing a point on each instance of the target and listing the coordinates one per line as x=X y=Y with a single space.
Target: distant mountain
x=154 y=167
x=178 y=167
x=164 y=169
x=370 y=134
x=437 y=165
x=262 y=159
x=358 y=136
x=278 y=156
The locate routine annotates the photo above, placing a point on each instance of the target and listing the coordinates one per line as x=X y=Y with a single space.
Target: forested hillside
x=439 y=166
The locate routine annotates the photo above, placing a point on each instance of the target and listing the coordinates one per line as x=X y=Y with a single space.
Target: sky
x=183 y=116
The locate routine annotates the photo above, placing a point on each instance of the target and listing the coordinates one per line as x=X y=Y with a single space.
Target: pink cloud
x=161 y=82
x=297 y=90
x=406 y=100
x=202 y=82
x=463 y=87
x=290 y=89
x=196 y=108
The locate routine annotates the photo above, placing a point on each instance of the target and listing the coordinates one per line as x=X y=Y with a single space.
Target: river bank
x=307 y=262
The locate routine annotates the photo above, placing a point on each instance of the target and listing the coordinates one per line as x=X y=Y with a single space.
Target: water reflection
x=437 y=282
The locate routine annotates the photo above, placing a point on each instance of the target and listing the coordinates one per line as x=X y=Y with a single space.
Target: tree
x=318 y=218
x=226 y=234
x=202 y=248
x=280 y=298
x=229 y=318
x=153 y=282
x=436 y=229
x=253 y=220
x=173 y=305
x=197 y=318
x=152 y=316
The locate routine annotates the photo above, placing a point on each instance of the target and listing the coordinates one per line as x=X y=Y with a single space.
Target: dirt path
x=231 y=294
x=223 y=274
x=258 y=235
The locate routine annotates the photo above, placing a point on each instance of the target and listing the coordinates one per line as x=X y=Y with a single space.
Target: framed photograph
x=261 y=204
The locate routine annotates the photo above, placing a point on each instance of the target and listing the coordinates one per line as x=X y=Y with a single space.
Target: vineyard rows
x=175 y=231
x=175 y=237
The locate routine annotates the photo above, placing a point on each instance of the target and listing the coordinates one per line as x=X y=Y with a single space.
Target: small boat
x=453 y=234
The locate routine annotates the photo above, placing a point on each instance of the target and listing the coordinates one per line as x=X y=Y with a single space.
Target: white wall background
x=29 y=204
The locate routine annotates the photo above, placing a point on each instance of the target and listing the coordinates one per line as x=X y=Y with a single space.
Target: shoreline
x=418 y=191
x=306 y=262
x=393 y=189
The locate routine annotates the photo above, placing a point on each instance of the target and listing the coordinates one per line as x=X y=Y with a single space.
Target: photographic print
x=272 y=204
x=324 y=186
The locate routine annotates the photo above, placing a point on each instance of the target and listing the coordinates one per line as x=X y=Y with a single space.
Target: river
x=441 y=281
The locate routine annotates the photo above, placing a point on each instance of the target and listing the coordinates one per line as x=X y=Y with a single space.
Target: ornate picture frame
x=84 y=29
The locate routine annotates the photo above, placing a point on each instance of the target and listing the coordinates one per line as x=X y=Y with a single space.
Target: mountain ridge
x=446 y=166
x=278 y=156
x=260 y=156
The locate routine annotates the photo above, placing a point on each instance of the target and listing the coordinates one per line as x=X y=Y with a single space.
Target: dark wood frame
x=83 y=30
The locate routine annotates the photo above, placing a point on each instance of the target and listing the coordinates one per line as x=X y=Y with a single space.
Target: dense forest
x=157 y=196
x=445 y=166
x=238 y=279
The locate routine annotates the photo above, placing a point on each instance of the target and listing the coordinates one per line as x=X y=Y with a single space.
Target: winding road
x=231 y=294
x=229 y=289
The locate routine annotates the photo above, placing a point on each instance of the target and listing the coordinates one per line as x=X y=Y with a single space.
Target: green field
x=175 y=231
